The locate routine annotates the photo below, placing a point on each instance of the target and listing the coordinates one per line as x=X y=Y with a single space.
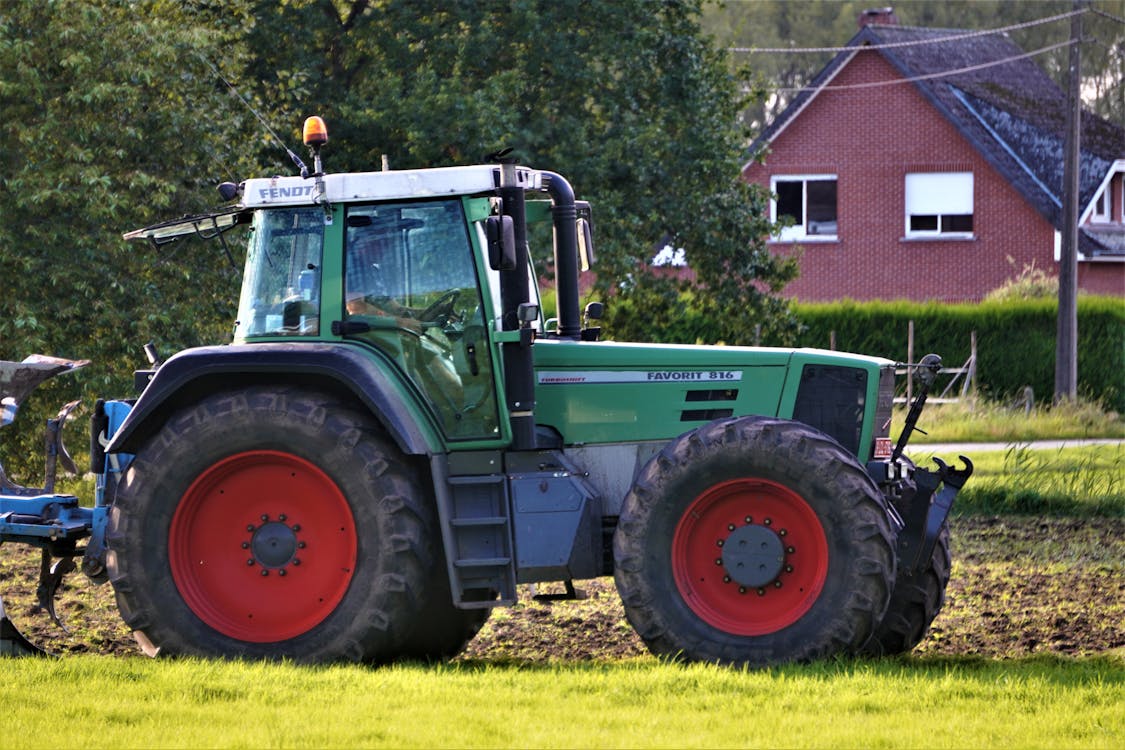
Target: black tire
x=270 y=523
x=916 y=601
x=688 y=586
x=443 y=630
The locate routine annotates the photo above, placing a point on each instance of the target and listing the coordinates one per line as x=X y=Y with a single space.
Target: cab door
x=411 y=290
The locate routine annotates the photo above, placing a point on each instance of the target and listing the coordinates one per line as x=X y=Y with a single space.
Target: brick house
x=938 y=188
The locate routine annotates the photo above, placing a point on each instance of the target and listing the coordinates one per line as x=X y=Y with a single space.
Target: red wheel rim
x=749 y=513
x=262 y=546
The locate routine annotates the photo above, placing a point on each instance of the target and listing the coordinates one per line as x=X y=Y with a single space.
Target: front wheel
x=918 y=598
x=754 y=541
x=270 y=524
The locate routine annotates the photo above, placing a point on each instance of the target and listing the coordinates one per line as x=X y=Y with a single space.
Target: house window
x=939 y=204
x=1101 y=205
x=809 y=202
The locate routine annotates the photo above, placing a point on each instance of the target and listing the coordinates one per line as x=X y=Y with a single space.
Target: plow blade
x=12 y=641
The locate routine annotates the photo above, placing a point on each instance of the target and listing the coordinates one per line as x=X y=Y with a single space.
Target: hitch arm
x=927 y=371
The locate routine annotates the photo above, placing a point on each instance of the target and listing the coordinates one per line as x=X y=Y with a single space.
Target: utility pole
x=1066 y=351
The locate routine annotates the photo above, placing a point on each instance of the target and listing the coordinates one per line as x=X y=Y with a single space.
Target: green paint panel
x=610 y=392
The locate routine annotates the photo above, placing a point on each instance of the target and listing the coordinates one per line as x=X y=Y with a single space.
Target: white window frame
x=800 y=231
x=938 y=194
x=1089 y=213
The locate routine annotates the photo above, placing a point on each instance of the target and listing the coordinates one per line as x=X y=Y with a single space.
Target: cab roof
x=375 y=186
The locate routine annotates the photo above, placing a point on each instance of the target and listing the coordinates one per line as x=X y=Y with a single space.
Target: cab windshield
x=281 y=286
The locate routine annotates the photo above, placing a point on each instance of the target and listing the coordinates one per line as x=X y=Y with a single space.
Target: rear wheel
x=753 y=541
x=443 y=629
x=269 y=524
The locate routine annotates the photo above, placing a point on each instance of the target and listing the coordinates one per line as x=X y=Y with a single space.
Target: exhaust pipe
x=564 y=217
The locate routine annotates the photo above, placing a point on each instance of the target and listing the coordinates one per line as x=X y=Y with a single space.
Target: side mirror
x=501 y=234
x=594 y=311
x=585 y=244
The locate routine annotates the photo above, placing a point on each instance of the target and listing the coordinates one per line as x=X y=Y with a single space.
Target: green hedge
x=1015 y=340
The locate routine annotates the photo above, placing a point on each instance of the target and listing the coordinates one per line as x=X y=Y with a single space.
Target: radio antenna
x=292 y=156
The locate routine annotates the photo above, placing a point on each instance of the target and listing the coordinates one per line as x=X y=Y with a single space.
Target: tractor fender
x=195 y=373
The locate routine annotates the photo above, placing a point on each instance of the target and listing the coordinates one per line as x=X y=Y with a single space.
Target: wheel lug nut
x=761 y=592
x=281 y=517
x=296 y=561
x=788 y=568
x=718 y=561
x=265 y=572
x=742 y=589
x=300 y=545
x=726 y=579
x=720 y=542
x=250 y=561
x=776 y=584
x=264 y=517
x=782 y=532
x=730 y=527
x=749 y=519
x=250 y=527
x=296 y=527
x=281 y=572
x=790 y=550
x=246 y=545
x=768 y=521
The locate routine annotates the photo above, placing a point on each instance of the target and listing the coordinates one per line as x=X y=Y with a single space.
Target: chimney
x=883 y=16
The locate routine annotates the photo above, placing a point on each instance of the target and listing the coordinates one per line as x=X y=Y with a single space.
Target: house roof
x=1012 y=112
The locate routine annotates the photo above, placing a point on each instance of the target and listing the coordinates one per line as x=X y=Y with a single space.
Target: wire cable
x=912 y=43
x=925 y=77
x=1110 y=16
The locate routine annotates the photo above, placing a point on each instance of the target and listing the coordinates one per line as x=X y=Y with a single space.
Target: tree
x=104 y=132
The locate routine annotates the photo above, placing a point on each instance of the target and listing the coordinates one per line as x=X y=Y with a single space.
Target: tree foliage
x=103 y=139
x=103 y=133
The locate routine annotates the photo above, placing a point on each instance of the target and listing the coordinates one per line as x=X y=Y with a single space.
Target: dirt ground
x=1019 y=586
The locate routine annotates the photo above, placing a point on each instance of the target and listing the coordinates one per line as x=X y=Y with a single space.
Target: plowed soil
x=1019 y=586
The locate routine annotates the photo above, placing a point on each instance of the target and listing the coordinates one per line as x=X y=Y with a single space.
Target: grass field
x=1082 y=481
x=938 y=703
x=976 y=420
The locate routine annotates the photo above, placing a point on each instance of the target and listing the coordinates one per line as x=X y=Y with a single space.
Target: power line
x=1110 y=16
x=925 y=77
x=912 y=43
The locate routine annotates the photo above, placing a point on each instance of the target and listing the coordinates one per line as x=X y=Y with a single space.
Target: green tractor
x=397 y=438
